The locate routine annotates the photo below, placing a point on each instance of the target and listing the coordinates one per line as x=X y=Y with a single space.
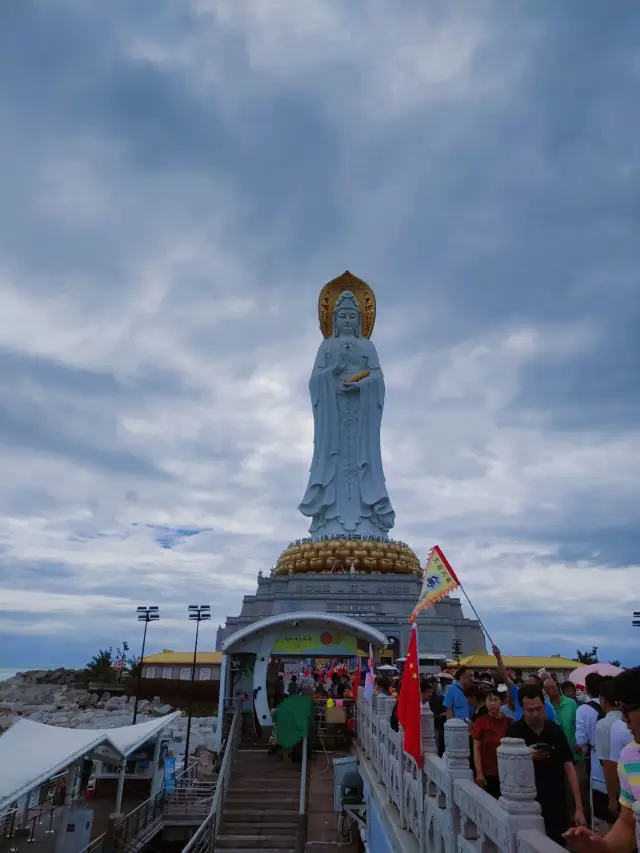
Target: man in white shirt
x=620 y=737
x=603 y=748
x=587 y=716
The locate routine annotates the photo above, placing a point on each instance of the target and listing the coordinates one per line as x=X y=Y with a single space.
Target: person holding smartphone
x=552 y=761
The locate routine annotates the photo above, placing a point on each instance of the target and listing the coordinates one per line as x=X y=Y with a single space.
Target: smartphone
x=540 y=747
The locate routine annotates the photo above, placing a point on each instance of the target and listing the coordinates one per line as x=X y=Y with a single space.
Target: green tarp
x=293 y=719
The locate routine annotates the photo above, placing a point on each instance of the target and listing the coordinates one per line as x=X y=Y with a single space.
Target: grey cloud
x=183 y=209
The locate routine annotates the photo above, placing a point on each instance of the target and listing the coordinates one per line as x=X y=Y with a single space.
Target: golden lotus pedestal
x=335 y=555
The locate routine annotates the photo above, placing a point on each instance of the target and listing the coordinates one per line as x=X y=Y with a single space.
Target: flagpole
x=476 y=613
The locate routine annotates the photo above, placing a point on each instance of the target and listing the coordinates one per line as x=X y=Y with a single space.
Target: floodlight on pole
x=197 y=613
x=146 y=615
x=636 y=619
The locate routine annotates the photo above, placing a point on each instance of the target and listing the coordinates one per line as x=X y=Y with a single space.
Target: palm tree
x=615 y=663
x=587 y=657
x=100 y=667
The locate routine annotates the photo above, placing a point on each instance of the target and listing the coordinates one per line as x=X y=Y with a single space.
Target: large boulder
x=7 y=720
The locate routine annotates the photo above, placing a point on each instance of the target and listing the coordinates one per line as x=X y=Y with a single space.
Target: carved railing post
x=377 y=700
x=401 y=769
x=385 y=703
x=456 y=746
x=366 y=713
x=456 y=759
x=518 y=789
x=429 y=746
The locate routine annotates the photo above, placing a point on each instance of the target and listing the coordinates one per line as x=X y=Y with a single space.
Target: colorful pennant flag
x=439 y=579
x=410 y=701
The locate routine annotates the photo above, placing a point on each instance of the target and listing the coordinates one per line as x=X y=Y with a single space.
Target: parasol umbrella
x=387 y=667
x=578 y=675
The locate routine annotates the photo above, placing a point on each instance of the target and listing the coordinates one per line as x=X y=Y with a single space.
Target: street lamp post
x=197 y=613
x=146 y=615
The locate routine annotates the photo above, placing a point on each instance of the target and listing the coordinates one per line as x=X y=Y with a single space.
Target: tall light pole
x=146 y=615
x=197 y=613
x=636 y=619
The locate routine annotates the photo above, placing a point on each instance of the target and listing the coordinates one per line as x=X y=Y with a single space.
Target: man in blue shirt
x=513 y=689
x=455 y=702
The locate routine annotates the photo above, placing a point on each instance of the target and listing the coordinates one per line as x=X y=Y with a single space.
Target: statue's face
x=347 y=321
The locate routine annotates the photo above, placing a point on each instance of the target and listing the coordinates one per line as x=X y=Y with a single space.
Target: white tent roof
x=31 y=753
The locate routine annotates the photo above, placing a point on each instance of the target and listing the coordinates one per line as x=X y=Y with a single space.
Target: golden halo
x=362 y=292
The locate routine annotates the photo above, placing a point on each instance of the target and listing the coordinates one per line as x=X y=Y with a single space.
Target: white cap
x=502 y=688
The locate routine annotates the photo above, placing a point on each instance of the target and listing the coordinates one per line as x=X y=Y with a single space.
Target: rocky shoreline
x=59 y=698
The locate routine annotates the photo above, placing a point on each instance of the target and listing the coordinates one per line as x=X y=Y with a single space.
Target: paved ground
x=323 y=835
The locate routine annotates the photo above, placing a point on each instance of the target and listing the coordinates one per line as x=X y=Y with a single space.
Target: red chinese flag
x=355 y=682
x=409 y=703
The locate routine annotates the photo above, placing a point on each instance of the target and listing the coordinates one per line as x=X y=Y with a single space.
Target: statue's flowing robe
x=346 y=490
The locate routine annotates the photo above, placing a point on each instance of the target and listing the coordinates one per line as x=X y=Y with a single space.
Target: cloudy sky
x=178 y=182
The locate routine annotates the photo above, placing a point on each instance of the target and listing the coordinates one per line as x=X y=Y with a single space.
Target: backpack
x=596 y=707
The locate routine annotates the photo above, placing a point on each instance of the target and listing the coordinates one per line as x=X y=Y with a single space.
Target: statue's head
x=346 y=315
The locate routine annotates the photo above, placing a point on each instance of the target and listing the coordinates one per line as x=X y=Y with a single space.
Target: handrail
x=303 y=778
x=188 y=774
x=132 y=824
x=301 y=833
x=204 y=838
x=95 y=845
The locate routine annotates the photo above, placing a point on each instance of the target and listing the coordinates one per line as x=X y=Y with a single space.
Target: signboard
x=354 y=609
x=170 y=774
x=307 y=643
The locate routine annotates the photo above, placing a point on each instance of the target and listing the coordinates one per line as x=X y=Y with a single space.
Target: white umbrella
x=578 y=675
x=387 y=667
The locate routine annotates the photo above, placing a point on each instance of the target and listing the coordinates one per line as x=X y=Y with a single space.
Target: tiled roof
x=169 y=657
x=483 y=661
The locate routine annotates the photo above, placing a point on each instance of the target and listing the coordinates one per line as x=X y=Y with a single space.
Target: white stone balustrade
x=440 y=804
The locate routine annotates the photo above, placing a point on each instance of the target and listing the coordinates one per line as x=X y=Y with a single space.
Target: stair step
x=266 y=827
x=253 y=849
x=265 y=781
x=265 y=775
x=250 y=791
x=272 y=784
x=254 y=841
x=248 y=814
x=267 y=803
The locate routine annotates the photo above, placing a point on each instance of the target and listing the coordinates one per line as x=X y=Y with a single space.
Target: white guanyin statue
x=346 y=493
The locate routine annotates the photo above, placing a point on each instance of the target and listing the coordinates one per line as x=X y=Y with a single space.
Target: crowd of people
x=322 y=683
x=585 y=744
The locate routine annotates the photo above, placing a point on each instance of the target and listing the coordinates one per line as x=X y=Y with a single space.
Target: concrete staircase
x=262 y=803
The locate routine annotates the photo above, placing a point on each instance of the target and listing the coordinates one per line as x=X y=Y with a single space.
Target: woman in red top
x=488 y=731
